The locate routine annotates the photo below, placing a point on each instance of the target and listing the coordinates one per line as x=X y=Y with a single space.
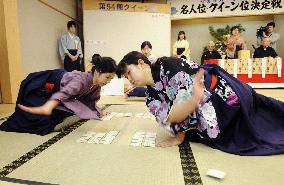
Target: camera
x=259 y=32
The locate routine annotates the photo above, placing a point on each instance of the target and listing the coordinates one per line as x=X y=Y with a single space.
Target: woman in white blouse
x=181 y=46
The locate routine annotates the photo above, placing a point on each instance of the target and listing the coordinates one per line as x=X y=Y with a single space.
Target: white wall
x=198 y=33
x=279 y=21
x=114 y=34
x=40 y=29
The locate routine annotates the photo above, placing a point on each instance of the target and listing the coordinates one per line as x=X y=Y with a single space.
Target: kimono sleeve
x=71 y=86
x=159 y=109
x=63 y=47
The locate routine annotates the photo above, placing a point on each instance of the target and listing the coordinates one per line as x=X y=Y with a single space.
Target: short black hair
x=131 y=58
x=271 y=24
x=146 y=43
x=71 y=23
x=103 y=64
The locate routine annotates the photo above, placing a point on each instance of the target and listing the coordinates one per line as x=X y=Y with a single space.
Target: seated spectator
x=264 y=50
x=274 y=37
x=210 y=53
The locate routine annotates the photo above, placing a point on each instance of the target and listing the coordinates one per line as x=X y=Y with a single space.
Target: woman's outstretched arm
x=45 y=109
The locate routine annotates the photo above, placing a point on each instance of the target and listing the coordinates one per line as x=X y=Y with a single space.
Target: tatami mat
x=240 y=170
x=68 y=162
x=14 y=145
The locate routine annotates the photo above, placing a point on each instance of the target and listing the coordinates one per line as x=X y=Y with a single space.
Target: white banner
x=188 y=9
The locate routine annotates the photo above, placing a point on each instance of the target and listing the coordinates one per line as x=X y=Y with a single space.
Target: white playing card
x=150 y=139
x=85 y=137
x=109 y=137
x=149 y=144
x=128 y=114
x=109 y=116
x=216 y=173
x=113 y=132
x=97 y=137
x=135 y=144
x=119 y=114
x=137 y=139
x=106 y=141
x=139 y=115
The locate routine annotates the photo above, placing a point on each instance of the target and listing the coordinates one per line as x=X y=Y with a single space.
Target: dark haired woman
x=235 y=43
x=46 y=98
x=181 y=46
x=221 y=111
x=146 y=48
x=70 y=48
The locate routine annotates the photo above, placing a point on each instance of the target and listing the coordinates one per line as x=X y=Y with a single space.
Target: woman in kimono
x=219 y=111
x=146 y=48
x=181 y=46
x=46 y=98
x=235 y=43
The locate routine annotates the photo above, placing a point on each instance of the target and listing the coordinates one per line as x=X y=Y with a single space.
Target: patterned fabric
x=173 y=84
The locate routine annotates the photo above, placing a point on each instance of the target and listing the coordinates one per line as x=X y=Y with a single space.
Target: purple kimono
x=231 y=117
x=73 y=89
x=78 y=94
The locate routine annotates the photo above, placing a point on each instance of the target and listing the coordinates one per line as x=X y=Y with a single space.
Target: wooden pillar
x=10 y=56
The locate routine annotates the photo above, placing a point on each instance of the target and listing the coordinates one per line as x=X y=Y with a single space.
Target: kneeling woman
x=221 y=111
x=46 y=98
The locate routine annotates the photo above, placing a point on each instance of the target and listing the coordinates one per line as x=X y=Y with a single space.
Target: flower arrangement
x=221 y=36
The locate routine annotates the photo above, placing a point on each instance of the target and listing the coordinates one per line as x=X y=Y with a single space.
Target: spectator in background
x=211 y=53
x=235 y=43
x=70 y=48
x=271 y=34
x=181 y=46
x=146 y=48
x=265 y=50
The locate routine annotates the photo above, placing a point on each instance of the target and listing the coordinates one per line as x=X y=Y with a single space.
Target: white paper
x=114 y=87
x=221 y=63
x=249 y=68
x=279 y=66
x=263 y=67
x=235 y=67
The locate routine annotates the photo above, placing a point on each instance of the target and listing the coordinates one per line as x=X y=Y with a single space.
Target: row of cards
x=129 y=114
x=146 y=139
x=98 y=138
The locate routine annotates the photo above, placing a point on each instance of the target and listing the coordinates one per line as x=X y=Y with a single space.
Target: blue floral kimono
x=231 y=115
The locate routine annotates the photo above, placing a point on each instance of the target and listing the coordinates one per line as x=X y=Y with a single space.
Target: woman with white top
x=181 y=46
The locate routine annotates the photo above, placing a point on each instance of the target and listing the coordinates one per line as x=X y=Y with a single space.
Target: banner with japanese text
x=126 y=6
x=188 y=9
